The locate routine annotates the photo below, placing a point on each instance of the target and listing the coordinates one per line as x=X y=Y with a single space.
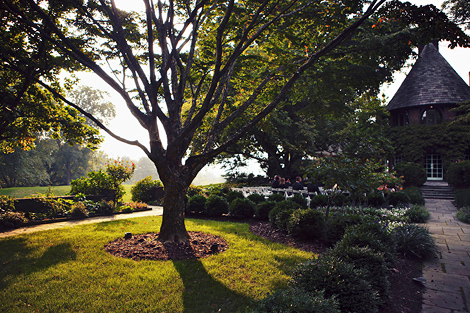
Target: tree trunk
x=173 y=228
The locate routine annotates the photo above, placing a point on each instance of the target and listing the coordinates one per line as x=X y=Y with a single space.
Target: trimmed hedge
x=216 y=206
x=458 y=174
x=413 y=174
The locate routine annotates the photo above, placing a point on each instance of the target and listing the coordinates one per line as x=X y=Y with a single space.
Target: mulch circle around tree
x=148 y=247
x=406 y=294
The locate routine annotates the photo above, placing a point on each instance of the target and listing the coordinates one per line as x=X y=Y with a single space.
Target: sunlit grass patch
x=67 y=270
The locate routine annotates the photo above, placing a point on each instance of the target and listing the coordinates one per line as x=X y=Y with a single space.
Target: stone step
x=437 y=191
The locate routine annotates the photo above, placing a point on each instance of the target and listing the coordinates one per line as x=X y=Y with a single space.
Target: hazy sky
x=126 y=126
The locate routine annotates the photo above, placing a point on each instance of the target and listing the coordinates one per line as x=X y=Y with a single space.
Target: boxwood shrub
x=232 y=195
x=338 y=279
x=280 y=214
x=277 y=197
x=462 y=198
x=376 y=199
x=413 y=174
x=415 y=195
x=372 y=263
x=306 y=224
x=398 y=199
x=458 y=174
x=318 y=201
x=337 y=223
x=216 y=206
x=196 y=204
x=256 y=198
x=242 y=208
x=262 y=210
x=373 y=235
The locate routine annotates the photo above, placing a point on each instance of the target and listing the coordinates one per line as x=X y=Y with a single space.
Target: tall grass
x=67 y=270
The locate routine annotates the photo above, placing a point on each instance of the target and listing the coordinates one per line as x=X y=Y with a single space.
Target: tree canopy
x=26 y=107
x=206 y=70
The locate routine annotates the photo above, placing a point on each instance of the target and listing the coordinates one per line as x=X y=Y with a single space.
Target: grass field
x=22 y=192
x=67 y=270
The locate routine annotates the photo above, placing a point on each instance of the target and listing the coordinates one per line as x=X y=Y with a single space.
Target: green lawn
x=22 y=192
x=67 y=270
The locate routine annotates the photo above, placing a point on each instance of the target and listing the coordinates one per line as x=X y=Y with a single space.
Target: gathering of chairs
x=287 y=192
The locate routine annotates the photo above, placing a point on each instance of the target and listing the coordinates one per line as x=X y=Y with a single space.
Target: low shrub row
x=353 y=275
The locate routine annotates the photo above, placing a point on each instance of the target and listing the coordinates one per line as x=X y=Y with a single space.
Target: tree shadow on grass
x=203 y=293
x=18 y=258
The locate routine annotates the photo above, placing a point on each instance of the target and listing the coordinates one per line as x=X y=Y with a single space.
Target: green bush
x=370 y=234
x=338 y=279
x=318 y=201
x=78 y=210
x=216 y=206
x=374 y=267
x=417 y=214
x=256 y=198
x=295 y=300
x=415 y=195
x=232 y=195
x=463 y=214
x=105 y=182
x=337 y=223
x=242 y=208
x=262 y=210
x=194 y=190
x=306 y=224
x=10 y=219
x=196 y=204
x=106 y=207
x=398 y=199
x=339 y=199
x=280 y=214
x=277 y=197
x=414 y=241
x=458 y=174
x=413 y=174
x=300 y=200
x=144 y=190
x=462 y=198
x=376 y=199
x=7 y=203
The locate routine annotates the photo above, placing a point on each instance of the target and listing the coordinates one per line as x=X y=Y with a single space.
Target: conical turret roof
x=431 y=81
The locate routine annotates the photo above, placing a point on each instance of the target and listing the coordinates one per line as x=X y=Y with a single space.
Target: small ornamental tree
x=356 y=176
x=105 y=182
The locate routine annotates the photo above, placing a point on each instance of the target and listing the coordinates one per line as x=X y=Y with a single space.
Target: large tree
x=207 y=71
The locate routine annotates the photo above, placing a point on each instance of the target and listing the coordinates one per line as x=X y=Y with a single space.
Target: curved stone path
x=447 y=276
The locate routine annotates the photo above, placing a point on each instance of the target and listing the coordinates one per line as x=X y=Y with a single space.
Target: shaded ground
x=406 y=294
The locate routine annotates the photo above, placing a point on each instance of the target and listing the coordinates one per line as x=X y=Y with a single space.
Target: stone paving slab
x=445 y=300
x=448 y=275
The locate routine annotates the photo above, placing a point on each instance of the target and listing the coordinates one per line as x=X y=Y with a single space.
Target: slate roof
x=431 y=81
